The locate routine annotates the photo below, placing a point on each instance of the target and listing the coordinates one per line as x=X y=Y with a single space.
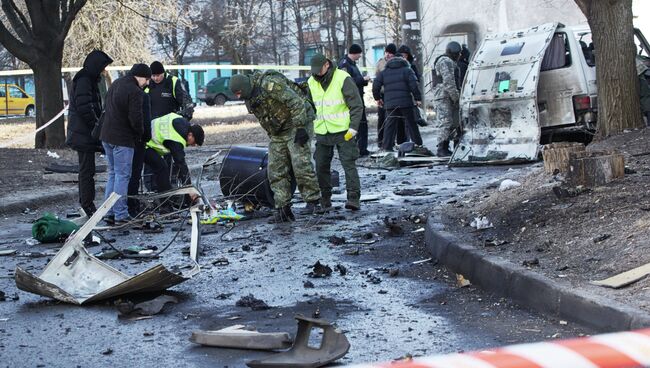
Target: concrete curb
x=528 y=288
x=23 y=200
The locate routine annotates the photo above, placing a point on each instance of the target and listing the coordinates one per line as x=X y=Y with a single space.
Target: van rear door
x=499 y=98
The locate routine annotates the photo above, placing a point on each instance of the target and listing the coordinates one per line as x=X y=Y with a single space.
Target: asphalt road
x=421 y=311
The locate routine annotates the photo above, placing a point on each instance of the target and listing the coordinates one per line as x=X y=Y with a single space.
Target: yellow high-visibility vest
x=332 y=113
x=162 y=129
x=174 y=80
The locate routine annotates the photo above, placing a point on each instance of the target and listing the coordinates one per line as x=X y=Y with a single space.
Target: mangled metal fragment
x=239 y=337
x=75 y=276
x=304 y=354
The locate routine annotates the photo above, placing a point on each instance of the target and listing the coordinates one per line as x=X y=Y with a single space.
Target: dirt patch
x=594 y=235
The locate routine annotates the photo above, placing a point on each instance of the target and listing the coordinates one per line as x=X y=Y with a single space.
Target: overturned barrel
x=244 y=176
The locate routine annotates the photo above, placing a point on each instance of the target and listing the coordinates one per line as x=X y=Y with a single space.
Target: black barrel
x=244 y=178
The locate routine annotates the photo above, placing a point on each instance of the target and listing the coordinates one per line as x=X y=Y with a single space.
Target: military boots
x=443 y=149
x=281 y=215
x=313 y=208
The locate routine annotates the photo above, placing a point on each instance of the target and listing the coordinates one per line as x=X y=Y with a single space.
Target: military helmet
x=453 y=49
x=241 y=83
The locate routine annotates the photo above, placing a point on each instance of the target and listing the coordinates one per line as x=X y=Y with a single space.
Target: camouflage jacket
x=278 y=103
x=444 y=69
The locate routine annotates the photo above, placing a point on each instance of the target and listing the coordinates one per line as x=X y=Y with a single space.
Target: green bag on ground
x=51 y=229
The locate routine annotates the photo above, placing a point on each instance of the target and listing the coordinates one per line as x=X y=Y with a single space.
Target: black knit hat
x=141 y=70
x=198 y=133
x=157 y=67
x=355 y=49
x=404 y=50
x=391 y=48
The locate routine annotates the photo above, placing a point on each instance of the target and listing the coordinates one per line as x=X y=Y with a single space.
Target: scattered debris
x=253 y=303
x=416 y=192
x=7 y=252
x=352 y=252
x=422 y=261
x=241 y=337
x=108 y=351
x=336 y=240
x=625 y=278
x=481 y=223
x=418 y=230
x=393 y=272
x=222 y=261
x=224 y=296
x=342 y=269
x=308 y=284
x=320 y=270
x=461 y=281
x=508 y=184
x=374 y=279
x=601 y=238
x=148 y=308
x=53 y=154
x=394 y=229
x=334 y=345
x=494 y=242
x=51 y=229
x=2 y=296
x=562 y=193
x=530 y=262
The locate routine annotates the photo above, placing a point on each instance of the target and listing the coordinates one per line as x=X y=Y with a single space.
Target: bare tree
x=178 y=31
x=613 y=35
x=34 y=31
x=388 y=13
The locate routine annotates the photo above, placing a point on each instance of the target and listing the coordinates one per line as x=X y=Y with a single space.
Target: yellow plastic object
x=221 y=215
x=348 y=136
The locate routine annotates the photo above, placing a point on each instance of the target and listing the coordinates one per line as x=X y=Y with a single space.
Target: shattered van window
x=512 y=49
x=587 y=46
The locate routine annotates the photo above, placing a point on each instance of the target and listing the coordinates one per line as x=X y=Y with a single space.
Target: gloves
x=188 y=112
x=301 y=137
x=350 y=134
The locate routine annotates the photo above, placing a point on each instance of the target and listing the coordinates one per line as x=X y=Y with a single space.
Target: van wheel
x=220 y=100
x=209 y=102
x=30 y=111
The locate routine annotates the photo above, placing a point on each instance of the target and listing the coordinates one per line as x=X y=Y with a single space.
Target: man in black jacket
x=168 y=94
x=122 y=130
x=401 y=95
x=83 y=112
x=349 y=64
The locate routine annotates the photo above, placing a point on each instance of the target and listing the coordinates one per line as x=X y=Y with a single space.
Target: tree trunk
x=613 y=36
x=47 y=82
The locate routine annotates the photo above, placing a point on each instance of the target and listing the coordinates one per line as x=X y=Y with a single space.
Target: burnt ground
x=419 y=311
x=592 y=236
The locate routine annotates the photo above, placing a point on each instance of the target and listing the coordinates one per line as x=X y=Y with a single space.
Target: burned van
x=524 y=85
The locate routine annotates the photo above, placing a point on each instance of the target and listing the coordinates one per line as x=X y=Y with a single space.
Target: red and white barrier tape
x=32 y=134
x=615 y=350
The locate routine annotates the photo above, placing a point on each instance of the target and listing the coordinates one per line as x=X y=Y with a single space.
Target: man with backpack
x=286 y=115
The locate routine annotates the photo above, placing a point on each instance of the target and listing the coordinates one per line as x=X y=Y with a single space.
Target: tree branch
x=18 y=22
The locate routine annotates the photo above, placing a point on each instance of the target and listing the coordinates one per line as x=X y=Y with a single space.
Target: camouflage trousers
x=348 y=155
x=447 y=118
x=285 y=156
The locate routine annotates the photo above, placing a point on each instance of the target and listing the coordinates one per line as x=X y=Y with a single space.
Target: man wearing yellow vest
x=167 y=94
x=339 y=110
x=170 y=134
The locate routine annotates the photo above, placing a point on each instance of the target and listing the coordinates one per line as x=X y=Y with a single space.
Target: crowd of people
x=143 y=120
x=143 y=125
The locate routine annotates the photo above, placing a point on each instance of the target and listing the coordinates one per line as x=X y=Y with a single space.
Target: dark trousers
x=381 y=118
x=362 y=134
x=159 y=168
x=134 y=182
x=391 y=126
x=87 y=181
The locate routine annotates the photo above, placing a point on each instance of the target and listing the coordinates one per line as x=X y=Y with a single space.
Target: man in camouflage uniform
x=445 y=96
x=286 y=115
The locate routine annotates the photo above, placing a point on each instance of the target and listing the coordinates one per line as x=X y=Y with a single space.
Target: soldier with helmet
x=446 y=96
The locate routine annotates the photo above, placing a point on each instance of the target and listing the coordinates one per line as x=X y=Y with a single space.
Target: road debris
x=508 y=184
x=320 y=270
x=148 y=308
x=242 y=337
x=336 y=240
x=334 y=345
x=422 y=261
x=249 y=301
x=341 y=269
x=7 y=252
x=461 y=281
x=626 y=278
x=416 y=192
x=308 y=284
x=494 y=242
x=481 y=223
x=530 y=262
x=394 y=229
x=602 y=238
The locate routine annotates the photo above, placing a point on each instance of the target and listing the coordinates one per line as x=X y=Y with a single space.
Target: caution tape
x=33 y=134
x=615 y=350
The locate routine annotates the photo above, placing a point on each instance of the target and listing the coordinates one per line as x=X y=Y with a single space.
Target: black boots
x=313 y=208
x=281 y=215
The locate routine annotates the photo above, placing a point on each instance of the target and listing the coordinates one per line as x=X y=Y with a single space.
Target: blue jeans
x=120 y=161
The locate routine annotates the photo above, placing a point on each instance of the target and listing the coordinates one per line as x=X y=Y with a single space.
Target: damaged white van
x=525 y=85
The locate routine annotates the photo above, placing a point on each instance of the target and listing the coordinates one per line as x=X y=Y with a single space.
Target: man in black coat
x=122 y=130
x=349 y=64
x=401 y=95
x=83 y=112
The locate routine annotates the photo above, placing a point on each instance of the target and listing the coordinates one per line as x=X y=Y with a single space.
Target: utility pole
x=412 y=33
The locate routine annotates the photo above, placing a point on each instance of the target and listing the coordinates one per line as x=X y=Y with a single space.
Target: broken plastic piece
x=85 y=278
x=239 y=337
x=334 y=345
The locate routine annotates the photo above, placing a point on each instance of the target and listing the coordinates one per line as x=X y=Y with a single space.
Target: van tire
x=220 y=100
x=209 y=102
x=30 y=111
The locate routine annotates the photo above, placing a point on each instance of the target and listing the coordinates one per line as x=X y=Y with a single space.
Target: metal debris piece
x=148 y=308
x=334 y=345
x=239 y=337
x=252 y=302
x=626 y=278
x=7 y=252
x=320 y=270
x=77 y=277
